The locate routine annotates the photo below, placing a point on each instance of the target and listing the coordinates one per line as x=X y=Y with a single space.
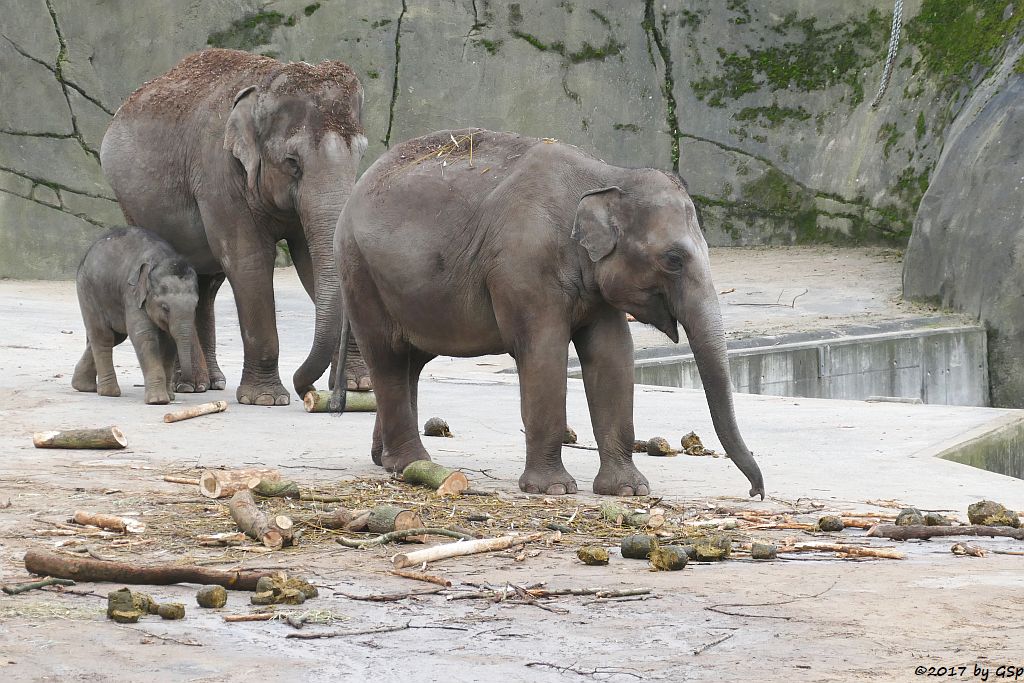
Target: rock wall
x=967 y=248
x=764 y=107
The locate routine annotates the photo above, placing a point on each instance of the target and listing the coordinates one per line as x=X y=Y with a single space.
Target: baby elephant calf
x=133 y=284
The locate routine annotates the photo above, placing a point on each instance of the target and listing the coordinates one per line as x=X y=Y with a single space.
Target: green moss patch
x=250 y=31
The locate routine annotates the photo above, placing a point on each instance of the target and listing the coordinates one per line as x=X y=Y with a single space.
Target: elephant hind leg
x=84 y=378
x=205 y=371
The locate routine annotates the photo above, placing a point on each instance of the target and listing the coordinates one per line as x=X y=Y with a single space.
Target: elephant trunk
x=181 y=331
x=319 y=228
x=696 y=307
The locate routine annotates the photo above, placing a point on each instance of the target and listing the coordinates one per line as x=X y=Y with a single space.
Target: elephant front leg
x=84 y=378
x=606 y=357
x=254 y=297
x=542 y=372
x=145 y=337
x=207 y=331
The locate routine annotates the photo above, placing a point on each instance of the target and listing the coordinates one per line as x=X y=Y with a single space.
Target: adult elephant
x=521 y=246
x=223 y=156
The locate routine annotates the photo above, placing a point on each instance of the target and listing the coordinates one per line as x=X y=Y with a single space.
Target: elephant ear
x=240 y=134
x=596 y=227
x=139 y=282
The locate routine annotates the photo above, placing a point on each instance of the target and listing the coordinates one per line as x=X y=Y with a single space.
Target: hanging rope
x=894 y=43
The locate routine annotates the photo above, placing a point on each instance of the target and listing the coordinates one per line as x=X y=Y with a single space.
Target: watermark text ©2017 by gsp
x=999 y=672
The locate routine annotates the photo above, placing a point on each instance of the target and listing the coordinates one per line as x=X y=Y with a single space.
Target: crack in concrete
x=394 y=82
x=61 y=208
x=650 y=26
x=49 y=67
x=58 y=71
x=32 y=134
x=54 y=185
x=474 y=29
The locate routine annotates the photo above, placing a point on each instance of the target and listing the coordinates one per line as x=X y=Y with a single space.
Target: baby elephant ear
x=595 y=226
x=139 y=282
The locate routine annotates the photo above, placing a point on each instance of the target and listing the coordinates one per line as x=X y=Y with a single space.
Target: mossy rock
x=592 y=555
x=935 y=519
x=830 y=523
x=991 y=513
x=909 y=517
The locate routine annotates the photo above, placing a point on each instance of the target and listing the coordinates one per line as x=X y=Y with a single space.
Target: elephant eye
x=672 y=261
x=293 y=165
x=167 y=309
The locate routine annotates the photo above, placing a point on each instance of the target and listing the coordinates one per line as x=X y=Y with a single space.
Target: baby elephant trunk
x=181 y=332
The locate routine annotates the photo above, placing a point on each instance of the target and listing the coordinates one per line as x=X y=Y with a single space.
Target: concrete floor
x=878 y=621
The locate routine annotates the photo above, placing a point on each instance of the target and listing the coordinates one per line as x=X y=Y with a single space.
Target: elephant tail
x=338 y=395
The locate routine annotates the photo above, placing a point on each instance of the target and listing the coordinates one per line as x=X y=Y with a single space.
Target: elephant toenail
x=557 y=490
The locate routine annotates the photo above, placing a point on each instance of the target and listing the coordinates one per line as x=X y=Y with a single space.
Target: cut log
x=224 y=483
x=270 y=488
x=461 y=548
x=104 y=437
x=438 y=477
x=355 y=402
x=196 y=411
x=386 y=518
x=618 y=515
x=273 y=533
x=420 y=576
x=904 y=533
x=109 y=522
x=45 y=563
x=349 y=520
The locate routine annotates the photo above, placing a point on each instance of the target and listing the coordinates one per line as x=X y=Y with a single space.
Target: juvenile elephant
x=472 y=242
x=223 y=156
x=133 y=284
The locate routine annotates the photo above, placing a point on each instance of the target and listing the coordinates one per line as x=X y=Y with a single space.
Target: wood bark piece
x=181 y=480
x=355 y=402
x=45 y=563
x=421 y=576
x=617 y=514
x=259 y=616
x=225 y=538
x=274 y=533
x=342 y=518
x=104 y=437
x=271 y=488
x=438 y=477
x=17 y=588
x=967 y=549
x=196 y=411
x=904 y=533
x=462 y=548
x=418 y=532
x=225 y=483
x=109 y=522
x=853 y=550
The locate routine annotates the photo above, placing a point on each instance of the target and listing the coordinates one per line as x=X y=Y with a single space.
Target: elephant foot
x=187 y=388
x=622 y=479
x=357 y=374
x=217 y=383
x=263 y=395
x=158 y=397
x=556 y=483
x=109 y=390
x=398 y=463
x=84 y=384
x=377 y=454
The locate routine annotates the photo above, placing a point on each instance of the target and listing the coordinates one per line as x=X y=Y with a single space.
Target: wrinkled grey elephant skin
x=471 y=242
x=223 y=156
x=132 y=284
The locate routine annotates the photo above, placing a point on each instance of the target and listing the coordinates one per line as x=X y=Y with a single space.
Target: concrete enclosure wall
x=945 y=365
x=764 y=107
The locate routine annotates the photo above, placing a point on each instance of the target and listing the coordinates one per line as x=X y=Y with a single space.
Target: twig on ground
x=389 y=597
x=190 y=643
x=259 y=616
x=717 y=608
x=716 y=641
x=604 y=670
x=369 y=631
x=917 y=531
x=17 y=588
x=399 y=535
